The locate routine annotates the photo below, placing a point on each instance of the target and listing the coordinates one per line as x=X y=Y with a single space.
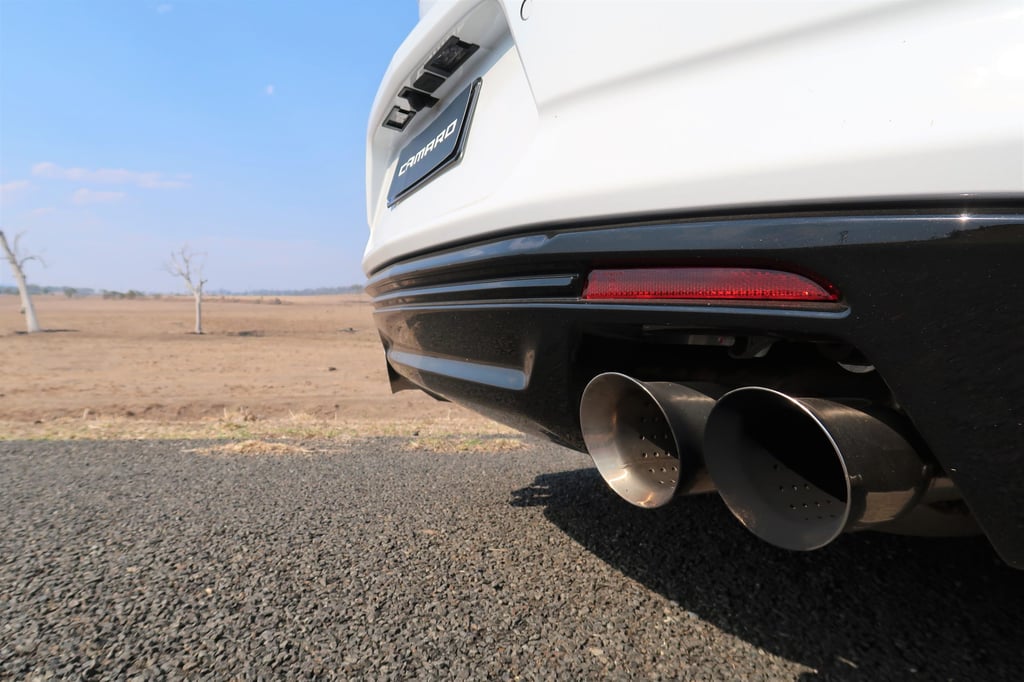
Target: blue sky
x=128 y=129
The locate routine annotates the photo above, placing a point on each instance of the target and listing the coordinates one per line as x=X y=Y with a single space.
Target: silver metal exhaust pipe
x=645 y=437
x=798 y=472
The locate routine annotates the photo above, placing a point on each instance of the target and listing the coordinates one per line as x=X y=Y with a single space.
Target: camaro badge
x=436 y=148
x=436 y=142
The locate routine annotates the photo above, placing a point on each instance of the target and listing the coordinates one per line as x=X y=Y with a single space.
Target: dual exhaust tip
x=797 y=472
x=645 y=437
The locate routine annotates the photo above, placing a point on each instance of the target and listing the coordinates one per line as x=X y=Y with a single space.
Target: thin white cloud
x=90 y=196
x=46 y=210
x=9 y=190
x=269 y=90
x=110 y=176
x=164 y=8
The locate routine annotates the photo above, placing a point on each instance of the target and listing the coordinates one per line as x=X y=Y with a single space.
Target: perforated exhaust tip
x=798 y=472
x=644 y=437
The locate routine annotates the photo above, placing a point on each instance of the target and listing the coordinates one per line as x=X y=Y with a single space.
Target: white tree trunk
x=31 y=323
x=198 y=293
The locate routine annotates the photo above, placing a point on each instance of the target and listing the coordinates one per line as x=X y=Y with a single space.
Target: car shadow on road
x=869 y=606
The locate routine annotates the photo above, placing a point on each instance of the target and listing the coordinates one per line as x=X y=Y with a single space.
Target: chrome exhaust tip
x=645 y=437
x=798 y=472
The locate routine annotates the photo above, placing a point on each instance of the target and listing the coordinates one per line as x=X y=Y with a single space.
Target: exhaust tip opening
x=632 y=442
x=777 y=468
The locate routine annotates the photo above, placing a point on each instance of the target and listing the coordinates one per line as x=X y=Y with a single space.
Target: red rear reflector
x=736 y=284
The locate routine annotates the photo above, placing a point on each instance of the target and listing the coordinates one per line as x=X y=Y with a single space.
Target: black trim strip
x=553 y=285
x=881 y=211
x=507 y=378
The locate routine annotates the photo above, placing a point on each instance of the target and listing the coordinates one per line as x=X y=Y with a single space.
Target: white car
x=769 y=249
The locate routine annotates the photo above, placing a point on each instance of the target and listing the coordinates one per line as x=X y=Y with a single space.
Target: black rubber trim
x=967 y=204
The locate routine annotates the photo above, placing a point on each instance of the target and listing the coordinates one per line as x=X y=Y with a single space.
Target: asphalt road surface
x=371 y=560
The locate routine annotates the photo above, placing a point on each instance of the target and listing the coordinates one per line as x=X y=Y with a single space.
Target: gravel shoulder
x=380 y=559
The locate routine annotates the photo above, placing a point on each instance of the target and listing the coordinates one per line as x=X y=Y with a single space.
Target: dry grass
x=464 y=433
x=466 y=443
x=252 y=447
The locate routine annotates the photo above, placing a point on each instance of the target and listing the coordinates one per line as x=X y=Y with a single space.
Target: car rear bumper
x=932 y=298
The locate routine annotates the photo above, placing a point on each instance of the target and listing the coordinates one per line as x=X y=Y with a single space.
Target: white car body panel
x=615 y=108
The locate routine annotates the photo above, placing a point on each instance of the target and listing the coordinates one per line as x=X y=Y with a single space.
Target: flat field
x=264 y=366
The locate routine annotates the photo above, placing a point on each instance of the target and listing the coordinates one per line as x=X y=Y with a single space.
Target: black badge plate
x=435 y=149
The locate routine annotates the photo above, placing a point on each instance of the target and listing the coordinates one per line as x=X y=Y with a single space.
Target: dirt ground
x=112 y=366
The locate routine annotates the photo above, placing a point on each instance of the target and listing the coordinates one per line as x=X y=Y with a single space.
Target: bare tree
x=188 y=265
x=17 y=261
